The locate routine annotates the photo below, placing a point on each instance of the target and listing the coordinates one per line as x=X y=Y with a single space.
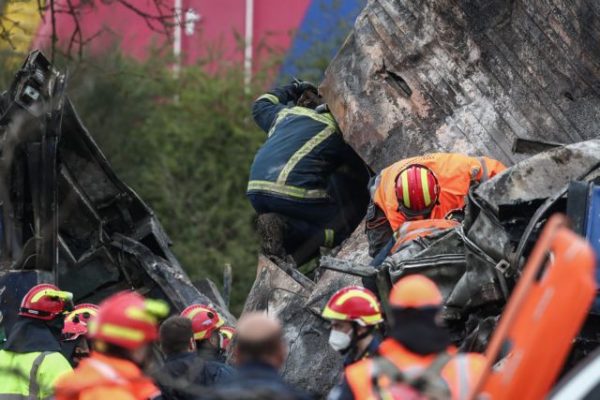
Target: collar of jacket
x=29 y=335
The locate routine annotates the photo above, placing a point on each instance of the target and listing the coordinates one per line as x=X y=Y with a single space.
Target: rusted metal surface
x=470 y=76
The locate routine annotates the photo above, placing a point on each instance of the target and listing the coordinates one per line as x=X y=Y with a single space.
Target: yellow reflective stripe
x=325 y=118
x=405 y=194
x=93 y=312
x=303 y=151
x=200 y=335
x=358 y=293
x=329 y=238
x=52 y=293
x=287 y=190
x=330 y=314
x=121 y=332
x=268 y=96
x=425 y=186
x=139 y=314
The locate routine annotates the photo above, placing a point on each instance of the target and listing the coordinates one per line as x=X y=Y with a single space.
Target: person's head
x=354 y=312
x=226 y=334
x=205 y=324
x=417 y=191
x=75 y=344
x=415 y=302
x=126 y=325
x=310 y=99
x=46 y=302
x=259 y=338
x=177 y=336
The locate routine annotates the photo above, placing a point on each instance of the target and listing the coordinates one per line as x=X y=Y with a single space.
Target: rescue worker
x=226 y=334
x=75 y=345
x=122 y=334
x=305 y=180
x=184 y=375
x=31 y=361
x=417 y=359
x=260 y=351
x=428 y=187
x=355 y=314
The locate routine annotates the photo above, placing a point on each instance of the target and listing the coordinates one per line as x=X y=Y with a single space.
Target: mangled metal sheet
x=65 y=211
x=469 y=76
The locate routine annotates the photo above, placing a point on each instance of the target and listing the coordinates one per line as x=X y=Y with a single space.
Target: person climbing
x=305 y=180
x=75 y=344
x=122 y=334
x=422 y=195
x=184 y=375
x=31 y=361
x=355 y=314
x=417 y=360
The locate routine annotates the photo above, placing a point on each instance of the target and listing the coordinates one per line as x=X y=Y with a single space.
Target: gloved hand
x=301 y=86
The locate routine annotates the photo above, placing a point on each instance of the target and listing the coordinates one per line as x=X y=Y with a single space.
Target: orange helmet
x=45 y=302
x=226 y=333
x=417 y=190
x=205 y=320
x=354 y=304
x=127 y=320
x=415 y=291
x=76 y=323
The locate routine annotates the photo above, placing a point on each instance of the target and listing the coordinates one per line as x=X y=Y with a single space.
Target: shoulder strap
x=34 y=385
x=430 y=381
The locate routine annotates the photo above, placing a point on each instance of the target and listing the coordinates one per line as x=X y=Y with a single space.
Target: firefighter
x=75 y=345
x=303 y=178
x=417 y=359
x=31 y=361
x=429 y=187
x=355 y=314
x=122 y=334
x=205 y=324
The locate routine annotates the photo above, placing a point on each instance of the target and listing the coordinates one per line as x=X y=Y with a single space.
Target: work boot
x=271 y=228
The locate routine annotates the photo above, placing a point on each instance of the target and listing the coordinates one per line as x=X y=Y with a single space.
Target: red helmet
x=417 y=190
x=45 y=301
x=76 y=323
x=205 y=320
x=128 y=320
x=355 y=304
x=226 y=333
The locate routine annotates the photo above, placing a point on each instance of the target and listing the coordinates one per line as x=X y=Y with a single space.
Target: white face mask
x=339 y=341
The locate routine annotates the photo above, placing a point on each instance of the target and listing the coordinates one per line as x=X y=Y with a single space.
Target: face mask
x=339 y=341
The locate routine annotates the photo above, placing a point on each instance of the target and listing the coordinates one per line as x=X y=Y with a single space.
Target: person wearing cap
x=355 y=314
x=122 y=334
x=260 y=352
x=183 y=374
x=420 y=196
x=75 y=345
x=417 y=359
x=31 y=361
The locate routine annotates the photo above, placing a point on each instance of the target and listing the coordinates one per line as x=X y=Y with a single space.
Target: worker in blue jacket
x=306 y=183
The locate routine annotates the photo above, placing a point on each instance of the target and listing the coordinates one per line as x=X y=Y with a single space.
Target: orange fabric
x=454 y=173
x=460 y=373
x=415 y=291
x=103 y=377
x=415 y=229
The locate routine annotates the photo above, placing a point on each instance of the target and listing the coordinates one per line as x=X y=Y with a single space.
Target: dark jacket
x=260 y=381
x=183 y=376
x=371 y=349
x=303 y=148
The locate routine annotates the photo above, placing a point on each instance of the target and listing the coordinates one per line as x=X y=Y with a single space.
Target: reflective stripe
x=34 y=386
x=485 y=176
x=121 y=332
x=303 y=151
x=405 y=194
x=287 y=190
x=329 y=238
x=106 y=371
x=268 y=96
x=325 y=118
x=14 y=397
x=425 y=186
x=462 y=366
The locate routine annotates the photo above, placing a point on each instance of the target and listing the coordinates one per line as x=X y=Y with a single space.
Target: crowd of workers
x=302 y=185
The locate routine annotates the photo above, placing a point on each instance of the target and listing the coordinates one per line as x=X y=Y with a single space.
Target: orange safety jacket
x=414 y=229
x=460 y=373
x=102 y=377
x=454 y=172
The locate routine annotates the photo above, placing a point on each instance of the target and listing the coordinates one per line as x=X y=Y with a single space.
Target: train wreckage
x=518 y=81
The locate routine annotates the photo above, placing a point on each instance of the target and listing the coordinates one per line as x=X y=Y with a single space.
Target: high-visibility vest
x=454 y=172
x=30 y=375
x=104 y=377
x=459 y=373
x=411 y=230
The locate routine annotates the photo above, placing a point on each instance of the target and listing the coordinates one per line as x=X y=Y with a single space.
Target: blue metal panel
x=593 y=234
